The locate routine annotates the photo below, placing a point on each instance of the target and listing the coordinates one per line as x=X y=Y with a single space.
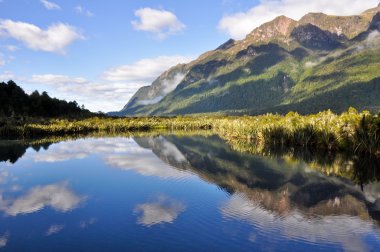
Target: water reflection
x=57 y=196
x=4 y=240
x=120 y=153
x=275 y=183
x=161 y=210
x=281 y=195
x=86 y=223
x=54 y=229
x=337 y=228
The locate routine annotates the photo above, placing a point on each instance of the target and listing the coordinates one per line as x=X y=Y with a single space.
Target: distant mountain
x=319 y=62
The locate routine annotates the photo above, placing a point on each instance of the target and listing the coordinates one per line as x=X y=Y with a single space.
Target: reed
x=351 y=131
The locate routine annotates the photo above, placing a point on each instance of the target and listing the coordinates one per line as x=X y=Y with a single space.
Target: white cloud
x=57 y=196
x=50 y=5
x=11 y=48
x=238 y=25
x=83 y=11
x=54 y=39
x=117 y=87
x=162 y=210
x=159 y=22
x=97 y=96
x=6 y=76
x=2 y=61
x=372 y=41
x=145 y=70
x=57 y=80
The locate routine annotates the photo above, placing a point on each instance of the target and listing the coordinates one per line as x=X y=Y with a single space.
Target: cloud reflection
x=168 y=150
x=86 y=223
x=4 y=240
x=54 y=229
x=57 y=196
x=147 y=165
x=121 y=153
x=161 y=210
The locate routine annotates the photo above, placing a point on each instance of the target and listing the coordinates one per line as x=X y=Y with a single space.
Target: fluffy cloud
x=238 y=25
x=145 y=70
x=54 y=39
x=6 y=76
x=11 y=48
x=116 y=87
x=159 y=22
x=95 y=95
x=83 y=11
x=2 y=61
x=162 y=210
x=50 y=5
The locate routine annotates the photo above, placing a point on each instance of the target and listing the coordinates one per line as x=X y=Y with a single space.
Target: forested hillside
x=15 y=102
x=319 y=62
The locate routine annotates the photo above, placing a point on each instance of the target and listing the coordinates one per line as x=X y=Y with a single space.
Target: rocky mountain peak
x=281 y=40
x=342 y=26
x=279 y=28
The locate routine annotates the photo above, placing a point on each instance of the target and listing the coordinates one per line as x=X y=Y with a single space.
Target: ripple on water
x=319 y=231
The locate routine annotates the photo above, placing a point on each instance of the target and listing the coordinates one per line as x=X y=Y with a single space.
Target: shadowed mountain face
x=272 y=183
x=283 y=64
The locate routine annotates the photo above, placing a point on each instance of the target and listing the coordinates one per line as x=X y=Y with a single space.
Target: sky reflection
x=161 y=210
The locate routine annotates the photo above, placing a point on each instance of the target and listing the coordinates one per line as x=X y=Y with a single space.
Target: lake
x=180 y=193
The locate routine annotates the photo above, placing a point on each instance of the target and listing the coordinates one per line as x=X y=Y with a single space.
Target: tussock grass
x=351 y=132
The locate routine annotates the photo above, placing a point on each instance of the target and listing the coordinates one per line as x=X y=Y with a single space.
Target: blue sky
x=100 y=52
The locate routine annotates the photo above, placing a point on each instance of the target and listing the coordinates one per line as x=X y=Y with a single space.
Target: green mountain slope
x=319 y=62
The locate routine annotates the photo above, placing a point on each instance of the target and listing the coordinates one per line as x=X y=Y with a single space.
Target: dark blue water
x=176 y=193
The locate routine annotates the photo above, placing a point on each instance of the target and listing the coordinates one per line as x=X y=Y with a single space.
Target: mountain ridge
x=264 y=58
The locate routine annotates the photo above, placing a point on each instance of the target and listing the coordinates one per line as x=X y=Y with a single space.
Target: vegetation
x=311 y=68
x=351 y=132
x=14 y=102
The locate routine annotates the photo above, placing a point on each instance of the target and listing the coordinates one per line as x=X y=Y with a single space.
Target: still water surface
x=172 y=193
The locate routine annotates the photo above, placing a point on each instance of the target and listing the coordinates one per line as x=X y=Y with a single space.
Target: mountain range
x=316 y=63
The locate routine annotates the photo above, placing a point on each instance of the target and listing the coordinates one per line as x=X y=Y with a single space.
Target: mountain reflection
x=274 y=195
x=162 y=210
x=273 y=183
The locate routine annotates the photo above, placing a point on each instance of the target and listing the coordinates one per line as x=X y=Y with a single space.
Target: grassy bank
x=351 y=132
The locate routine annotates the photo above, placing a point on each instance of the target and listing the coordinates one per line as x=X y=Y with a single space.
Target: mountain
x=318 y=62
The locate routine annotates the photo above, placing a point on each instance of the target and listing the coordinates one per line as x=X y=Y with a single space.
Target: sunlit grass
x=351 y=131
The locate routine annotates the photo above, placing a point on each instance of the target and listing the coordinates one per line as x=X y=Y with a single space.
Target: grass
x=350 y=132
